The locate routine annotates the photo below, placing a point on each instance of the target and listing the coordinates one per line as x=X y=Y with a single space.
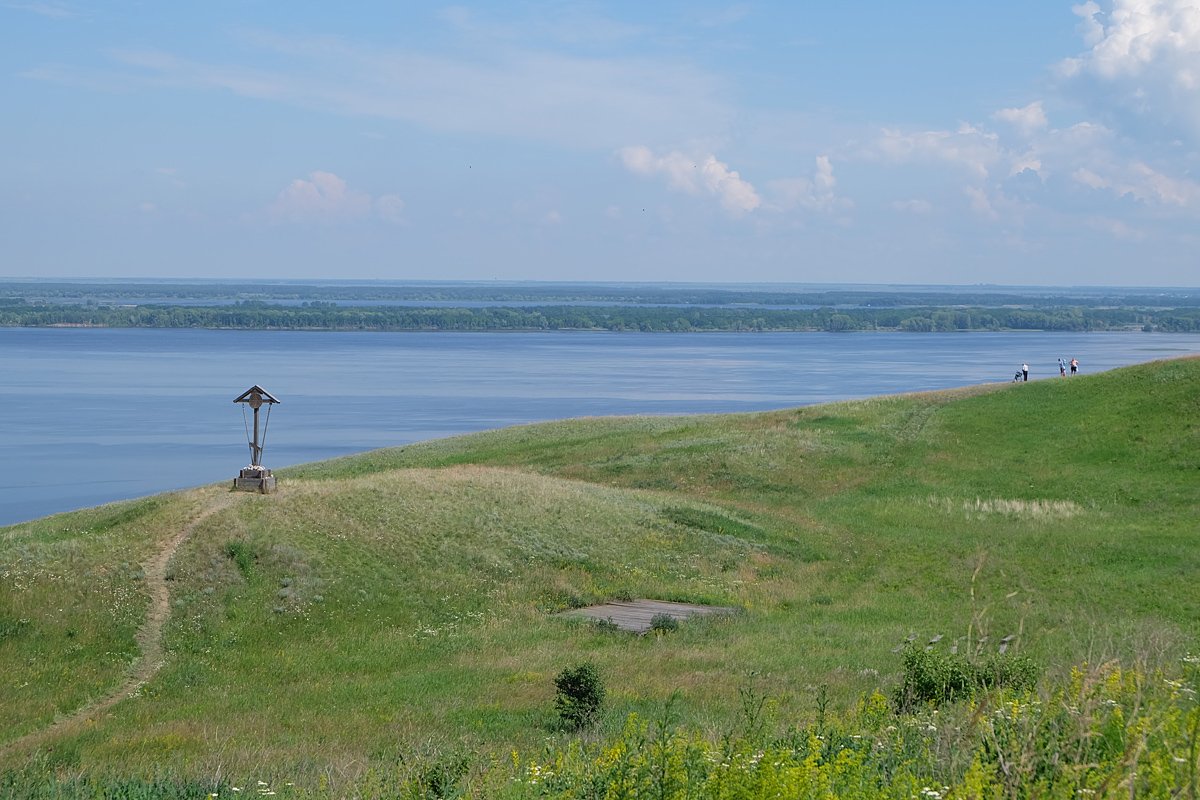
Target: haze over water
x=95 y=415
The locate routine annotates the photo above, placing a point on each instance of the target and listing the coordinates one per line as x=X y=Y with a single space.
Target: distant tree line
x=615 y=294
x=327 y=316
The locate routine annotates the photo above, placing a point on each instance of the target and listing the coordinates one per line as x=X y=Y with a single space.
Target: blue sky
x=938 y=142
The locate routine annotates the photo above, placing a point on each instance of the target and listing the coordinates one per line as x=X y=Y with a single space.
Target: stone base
x=254 y=480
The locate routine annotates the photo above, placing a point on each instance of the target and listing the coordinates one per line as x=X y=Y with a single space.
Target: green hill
x=403 y=601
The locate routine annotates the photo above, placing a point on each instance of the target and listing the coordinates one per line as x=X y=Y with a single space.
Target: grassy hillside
x=403 y=600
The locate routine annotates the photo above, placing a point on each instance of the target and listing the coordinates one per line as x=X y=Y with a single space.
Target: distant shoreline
x=646 y=319
x=532 y=306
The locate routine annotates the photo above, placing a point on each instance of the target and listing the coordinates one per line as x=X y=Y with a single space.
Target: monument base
x=254 y=479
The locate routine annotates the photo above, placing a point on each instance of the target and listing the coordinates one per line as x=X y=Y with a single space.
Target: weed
x=243 y=555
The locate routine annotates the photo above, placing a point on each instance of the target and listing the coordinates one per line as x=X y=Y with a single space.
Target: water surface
x=93 y=415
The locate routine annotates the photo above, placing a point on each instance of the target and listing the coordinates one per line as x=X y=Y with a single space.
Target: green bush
x=580 y=694
x=663 y=623
x=932 y=676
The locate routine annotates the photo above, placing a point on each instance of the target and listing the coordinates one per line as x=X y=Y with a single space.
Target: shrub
x=663 y=623
x=933 y=677
x=1015 y=672
x=580 y=694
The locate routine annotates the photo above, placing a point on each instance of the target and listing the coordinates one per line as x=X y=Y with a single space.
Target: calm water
x=93 y=415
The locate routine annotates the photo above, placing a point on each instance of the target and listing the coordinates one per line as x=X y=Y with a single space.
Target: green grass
x=404 y=599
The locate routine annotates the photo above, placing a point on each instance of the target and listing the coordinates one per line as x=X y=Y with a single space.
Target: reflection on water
x=93 y=415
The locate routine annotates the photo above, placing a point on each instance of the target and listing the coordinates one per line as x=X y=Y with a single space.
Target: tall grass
x=1103 y=732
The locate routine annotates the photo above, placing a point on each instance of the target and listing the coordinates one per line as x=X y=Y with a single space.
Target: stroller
x=1018 y=376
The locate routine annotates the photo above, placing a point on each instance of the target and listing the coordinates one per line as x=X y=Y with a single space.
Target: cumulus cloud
x=1143 y=183
x=1090 y=179
x=1027 y=120
x=969 y=147
x=817 y=193
x=694 y=175
x=1140 y=36
x=1145 y=54
x=1026 y=161
x=1116 y=228
x=980 y=202
x=325 y=197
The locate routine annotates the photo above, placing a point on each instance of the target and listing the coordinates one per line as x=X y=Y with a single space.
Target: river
x=88 y=416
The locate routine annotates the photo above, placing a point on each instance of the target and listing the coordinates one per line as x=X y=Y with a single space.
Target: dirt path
x=148 y=637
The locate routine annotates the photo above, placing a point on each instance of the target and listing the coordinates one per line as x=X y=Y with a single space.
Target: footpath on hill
x=148 y=637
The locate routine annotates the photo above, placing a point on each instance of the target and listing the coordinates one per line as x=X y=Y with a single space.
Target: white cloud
x=913 y=206
x=700 y=175
x=980 y=202
x=325 y=197
x=1026 y=161
x=1147 y=183
x=1116 y=228
x=1140 y=36
x=51 y=10
x=969 y=147
x=501 y=89
x=815 y=194
x=1143 y=183
x=1145 y=54
x=1090 y=179
x=1027 y=120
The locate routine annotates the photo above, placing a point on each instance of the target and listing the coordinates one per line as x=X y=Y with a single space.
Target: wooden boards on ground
x=636 y=615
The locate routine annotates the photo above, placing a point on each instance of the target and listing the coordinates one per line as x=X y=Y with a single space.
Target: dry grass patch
x=1031 y=509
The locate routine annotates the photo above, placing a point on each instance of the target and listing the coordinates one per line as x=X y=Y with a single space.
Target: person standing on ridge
x=1062 y=368
x=1024 y=372
x=1074 y=365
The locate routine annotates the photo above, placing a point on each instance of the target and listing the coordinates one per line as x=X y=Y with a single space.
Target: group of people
x=1062 y=367
x=1023 y=372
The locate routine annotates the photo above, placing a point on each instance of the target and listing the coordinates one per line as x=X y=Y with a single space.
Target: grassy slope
x=400 y=597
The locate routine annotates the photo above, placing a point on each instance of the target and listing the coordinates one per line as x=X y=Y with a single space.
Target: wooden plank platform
x=635 y=615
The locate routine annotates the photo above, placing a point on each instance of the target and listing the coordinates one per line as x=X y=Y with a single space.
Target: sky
x=1032 y=142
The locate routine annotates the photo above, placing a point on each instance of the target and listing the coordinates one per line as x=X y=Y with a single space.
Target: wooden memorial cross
x=256 y=477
